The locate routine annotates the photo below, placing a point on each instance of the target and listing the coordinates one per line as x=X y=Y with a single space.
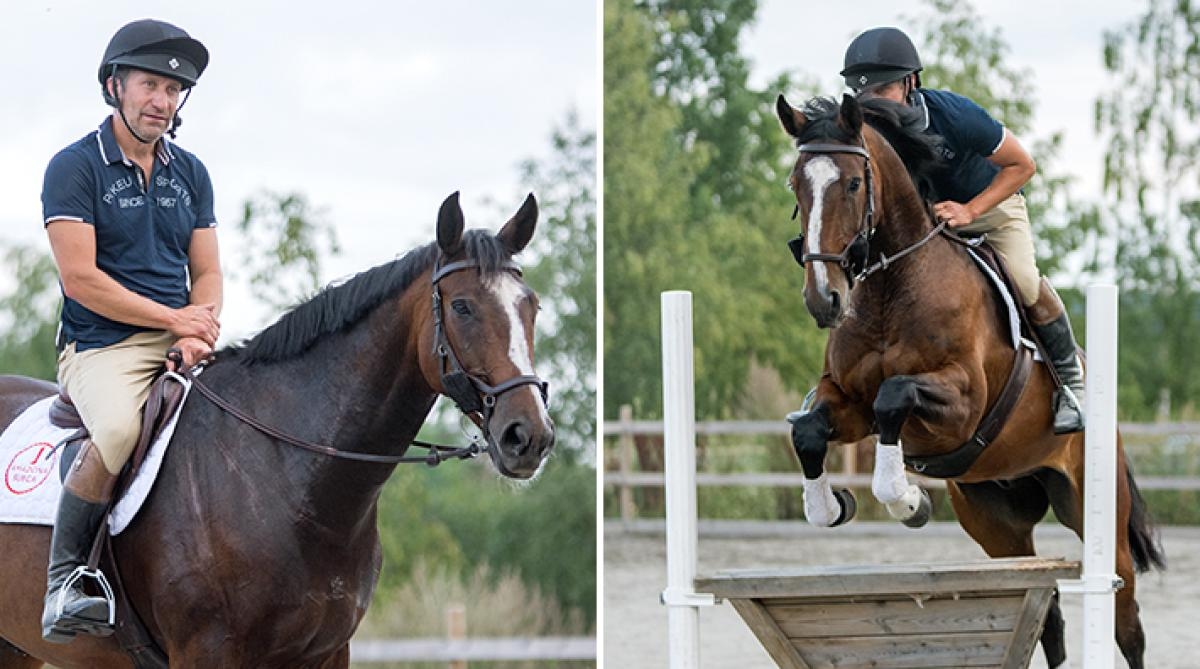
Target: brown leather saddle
x=166 y=394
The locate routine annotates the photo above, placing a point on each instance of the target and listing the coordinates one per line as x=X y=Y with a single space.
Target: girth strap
x=957 y=462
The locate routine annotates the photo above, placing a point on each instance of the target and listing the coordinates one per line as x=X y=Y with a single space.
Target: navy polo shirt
x=969 y=136
x=143 y=229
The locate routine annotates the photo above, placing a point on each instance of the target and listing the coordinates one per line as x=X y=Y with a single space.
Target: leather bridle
x=853 y=259
x=475 y=397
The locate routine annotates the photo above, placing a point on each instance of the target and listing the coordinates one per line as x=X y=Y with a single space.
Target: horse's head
x=482 y=334
x=835 y=199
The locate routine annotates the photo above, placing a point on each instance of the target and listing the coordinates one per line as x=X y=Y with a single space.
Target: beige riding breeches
x=1007 y=229
x=109 y=386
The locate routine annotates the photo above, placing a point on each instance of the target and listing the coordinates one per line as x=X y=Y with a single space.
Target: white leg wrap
x=821 y=507
x=890 y=484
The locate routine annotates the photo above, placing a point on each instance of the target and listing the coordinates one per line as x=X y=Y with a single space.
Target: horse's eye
x=854 y=184
x=461 y=307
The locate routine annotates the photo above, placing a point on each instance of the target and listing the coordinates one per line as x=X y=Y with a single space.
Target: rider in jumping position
x=980 y=190
x=130 y=220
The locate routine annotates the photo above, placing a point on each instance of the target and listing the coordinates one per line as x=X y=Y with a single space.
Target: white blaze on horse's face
x=821 y=171
x=509 y=291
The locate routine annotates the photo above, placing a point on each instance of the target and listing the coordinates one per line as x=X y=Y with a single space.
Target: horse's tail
x=1143 y=536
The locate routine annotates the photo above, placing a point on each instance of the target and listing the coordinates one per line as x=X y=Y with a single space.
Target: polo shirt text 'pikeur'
x=143 y=223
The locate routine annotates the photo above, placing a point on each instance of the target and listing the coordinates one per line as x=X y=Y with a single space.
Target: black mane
x=900 y=125
x=339 y=306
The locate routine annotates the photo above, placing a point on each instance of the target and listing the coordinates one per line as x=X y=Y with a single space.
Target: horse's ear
x=519 y=230
x=789 y=116
x=450 y=225
x=851 y=117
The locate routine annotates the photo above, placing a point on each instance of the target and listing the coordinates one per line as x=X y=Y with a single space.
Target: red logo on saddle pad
x=29 y=468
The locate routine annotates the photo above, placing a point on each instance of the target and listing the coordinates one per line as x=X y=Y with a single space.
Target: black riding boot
x=81 y=509
x=1052 y=326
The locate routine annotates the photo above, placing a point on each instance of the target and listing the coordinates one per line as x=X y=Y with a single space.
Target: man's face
x=149 y=101
x=893 y=91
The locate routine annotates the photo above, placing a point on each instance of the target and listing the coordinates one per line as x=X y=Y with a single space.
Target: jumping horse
x=253 y=552
x=919 y=352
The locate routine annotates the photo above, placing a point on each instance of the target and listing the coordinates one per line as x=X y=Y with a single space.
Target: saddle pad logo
x=29 y=468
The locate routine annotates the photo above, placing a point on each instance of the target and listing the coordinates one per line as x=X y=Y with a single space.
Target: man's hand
x=955 y=214
x=197 y=321
x=194 y=350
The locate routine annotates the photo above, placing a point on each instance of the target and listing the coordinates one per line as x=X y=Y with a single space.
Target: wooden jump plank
x=930 y=578
x=1025 y=636
x=897 y=616
x=981 y=649
x=769 y=635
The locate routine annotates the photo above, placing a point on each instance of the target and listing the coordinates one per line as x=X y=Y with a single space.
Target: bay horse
x=918 y=353
x=251 y=552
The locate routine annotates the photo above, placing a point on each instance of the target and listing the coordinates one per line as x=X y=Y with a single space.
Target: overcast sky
x=1059 y=41
x=375 y=110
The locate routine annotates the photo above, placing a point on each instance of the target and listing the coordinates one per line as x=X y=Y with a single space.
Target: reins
x=474 y=397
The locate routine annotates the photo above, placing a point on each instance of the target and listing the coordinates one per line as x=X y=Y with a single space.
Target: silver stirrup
x=809 y=398
x=82 y=572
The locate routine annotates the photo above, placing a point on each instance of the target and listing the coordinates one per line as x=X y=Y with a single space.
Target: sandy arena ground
x=635 y=624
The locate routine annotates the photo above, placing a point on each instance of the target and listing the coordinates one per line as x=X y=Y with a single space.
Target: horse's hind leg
x=12 y=657
x=1000 y=518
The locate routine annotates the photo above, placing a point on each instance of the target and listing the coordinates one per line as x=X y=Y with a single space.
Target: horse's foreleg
x=831 y=417
x=930 y=396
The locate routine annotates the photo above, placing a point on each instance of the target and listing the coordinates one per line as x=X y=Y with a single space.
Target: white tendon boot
x=821 y=506
x=905 y=502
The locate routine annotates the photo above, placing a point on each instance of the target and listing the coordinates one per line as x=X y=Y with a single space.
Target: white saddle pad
x=1010 y=307
x=31 y=485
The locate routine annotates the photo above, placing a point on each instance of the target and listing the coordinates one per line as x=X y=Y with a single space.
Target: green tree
x=647 y=177
x=694 y=190
x=1148 y=119
x=30 y=314
x=565 y=277
x=285 y=238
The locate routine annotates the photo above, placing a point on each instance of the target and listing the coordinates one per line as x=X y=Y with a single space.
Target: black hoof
x=924 y=512
x=849 y=506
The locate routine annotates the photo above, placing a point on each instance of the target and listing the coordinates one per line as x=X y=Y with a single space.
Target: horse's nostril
x=515 y=437
x=835 y=300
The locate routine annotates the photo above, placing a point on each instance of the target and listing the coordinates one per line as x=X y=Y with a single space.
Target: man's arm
x=204 y=267
x=1016 y=168
x=74 y=247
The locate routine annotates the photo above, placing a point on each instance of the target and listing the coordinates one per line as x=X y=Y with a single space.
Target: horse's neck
x=904 y=220
x=361 y=391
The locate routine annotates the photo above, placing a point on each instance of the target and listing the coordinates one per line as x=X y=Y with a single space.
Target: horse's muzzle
x=827 y=310
x=521 y=444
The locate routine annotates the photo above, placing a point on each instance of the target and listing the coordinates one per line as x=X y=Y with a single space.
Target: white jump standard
x=987 y=613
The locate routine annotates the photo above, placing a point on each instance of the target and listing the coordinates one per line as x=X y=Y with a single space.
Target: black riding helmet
x=153 y=46
x=879 y=56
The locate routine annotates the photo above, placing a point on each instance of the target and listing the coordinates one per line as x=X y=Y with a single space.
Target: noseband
x=853 y=258
x=475 y=397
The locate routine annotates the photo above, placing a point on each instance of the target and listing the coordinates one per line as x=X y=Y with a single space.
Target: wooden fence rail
x=625 y=479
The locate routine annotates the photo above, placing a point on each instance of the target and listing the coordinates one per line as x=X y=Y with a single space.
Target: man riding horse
x=130 y=220
x=979 y=192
